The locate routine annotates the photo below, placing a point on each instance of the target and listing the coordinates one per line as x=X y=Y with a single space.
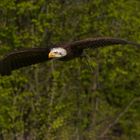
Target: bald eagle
x=29 y=56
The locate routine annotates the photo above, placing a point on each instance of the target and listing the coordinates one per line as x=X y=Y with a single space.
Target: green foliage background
x=90 y=98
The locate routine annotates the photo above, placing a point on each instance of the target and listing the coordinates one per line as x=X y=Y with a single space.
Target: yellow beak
x=51 y=55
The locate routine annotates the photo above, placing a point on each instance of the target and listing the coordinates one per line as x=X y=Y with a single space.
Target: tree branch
x=118 y=117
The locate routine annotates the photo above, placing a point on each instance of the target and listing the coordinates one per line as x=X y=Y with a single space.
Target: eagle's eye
x=60 y=53
x=57 y=52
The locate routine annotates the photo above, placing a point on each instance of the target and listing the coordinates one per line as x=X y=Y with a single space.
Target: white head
x=57 y=53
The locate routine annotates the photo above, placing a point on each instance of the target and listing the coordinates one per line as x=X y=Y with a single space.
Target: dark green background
x=92 y=98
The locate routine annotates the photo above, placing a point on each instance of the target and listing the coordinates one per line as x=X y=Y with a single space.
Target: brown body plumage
x=26 y=57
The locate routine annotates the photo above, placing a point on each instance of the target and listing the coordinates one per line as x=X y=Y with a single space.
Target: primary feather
x=22 y=58
x=101 y=42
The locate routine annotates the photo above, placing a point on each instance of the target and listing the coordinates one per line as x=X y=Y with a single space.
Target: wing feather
x=100 y=42
x=21 y=58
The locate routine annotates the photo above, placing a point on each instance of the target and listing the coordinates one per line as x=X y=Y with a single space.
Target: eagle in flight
x=29 y=56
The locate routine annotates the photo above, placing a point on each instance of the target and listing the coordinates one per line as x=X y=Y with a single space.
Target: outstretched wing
x=99 y=42
x=25 y=57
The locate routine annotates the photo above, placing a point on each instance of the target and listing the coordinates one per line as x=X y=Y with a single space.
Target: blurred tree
x=96 y=97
